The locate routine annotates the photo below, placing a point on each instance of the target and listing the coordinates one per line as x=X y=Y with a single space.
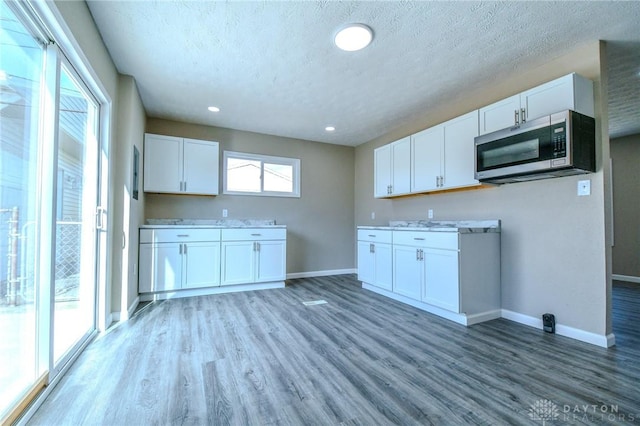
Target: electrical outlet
x=373 y=215
x=225 y=212
x=584 y=187
x=430 y=213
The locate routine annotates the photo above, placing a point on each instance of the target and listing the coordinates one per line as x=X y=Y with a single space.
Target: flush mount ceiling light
x=330 y=128
x=213 y=109
x=353 y=37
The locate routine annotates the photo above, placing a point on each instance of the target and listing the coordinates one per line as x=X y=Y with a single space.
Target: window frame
x=268 y=159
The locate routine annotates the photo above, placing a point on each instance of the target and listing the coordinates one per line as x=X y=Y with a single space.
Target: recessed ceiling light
x=353 y=37
x=213 y=109
x=330 y=128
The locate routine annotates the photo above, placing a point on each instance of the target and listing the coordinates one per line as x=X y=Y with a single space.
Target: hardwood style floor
x=264 y=358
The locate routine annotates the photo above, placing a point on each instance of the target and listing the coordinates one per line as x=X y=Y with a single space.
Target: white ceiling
x=272 y=67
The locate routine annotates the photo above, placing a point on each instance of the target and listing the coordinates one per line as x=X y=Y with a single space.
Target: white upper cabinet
x=162 y=163
x=459 y=156
x=392 y=169
x=443 y=155
x=572 y=92
x=499 y=115
x=180 y=166
x=427 y=157
x=200 y=167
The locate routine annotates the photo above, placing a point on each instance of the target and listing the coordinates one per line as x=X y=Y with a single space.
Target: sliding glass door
x=76 y=206
x=50 y=175
x=21 y=73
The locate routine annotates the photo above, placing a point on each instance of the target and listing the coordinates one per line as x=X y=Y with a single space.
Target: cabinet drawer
x=168 y=235
x=439 y=240
x=254 y=234
x=374 y=235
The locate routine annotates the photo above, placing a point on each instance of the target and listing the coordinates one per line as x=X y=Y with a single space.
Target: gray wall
x=554 y=255
x=320 y=224
x=625 y=154
x=128 y=213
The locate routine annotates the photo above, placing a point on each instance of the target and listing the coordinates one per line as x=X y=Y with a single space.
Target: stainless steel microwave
x=560 y=144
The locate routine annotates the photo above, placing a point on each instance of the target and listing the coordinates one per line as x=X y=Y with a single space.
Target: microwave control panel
x=559 y=140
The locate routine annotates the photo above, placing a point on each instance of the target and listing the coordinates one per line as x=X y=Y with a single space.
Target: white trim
x=147 y=297
x=117 y=316
x=604 y=341
x=324 y=273
x=462 y=318
x=627 y=278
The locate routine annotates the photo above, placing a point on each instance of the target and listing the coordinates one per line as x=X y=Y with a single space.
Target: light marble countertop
x=211 y=223
x=462 y=226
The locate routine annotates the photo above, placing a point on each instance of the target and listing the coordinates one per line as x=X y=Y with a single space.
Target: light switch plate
x=373 y=215
x=584 y=187
x=225 y=212
x=430 y=213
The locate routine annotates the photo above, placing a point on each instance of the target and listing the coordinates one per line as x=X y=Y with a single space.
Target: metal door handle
x=523 y=115
x=517 y=117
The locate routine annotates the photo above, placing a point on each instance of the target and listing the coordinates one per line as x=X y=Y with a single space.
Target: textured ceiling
x=272 y=67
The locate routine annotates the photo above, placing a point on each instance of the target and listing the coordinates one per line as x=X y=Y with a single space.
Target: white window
x=255 y=174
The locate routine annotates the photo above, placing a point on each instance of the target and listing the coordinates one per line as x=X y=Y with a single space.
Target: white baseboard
x=628 y=278
x=325 y=273
x=604 y=341
x=147 y=297
x=117 y=316
x=462 y=319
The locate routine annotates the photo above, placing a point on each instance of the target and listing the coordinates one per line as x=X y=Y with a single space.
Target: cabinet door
x=383 y=266
x=162 y=163
x=382 y=171
x=201 y=166
x=499 y=115
x=407 y=272
x=401 y=166
x=160 y=267
x=201 y=264
x=548 y=98
x=441 y=284
x=237 y=262
x=270 y=261
x=426 y=159
x=366 y=262
x=459 y=146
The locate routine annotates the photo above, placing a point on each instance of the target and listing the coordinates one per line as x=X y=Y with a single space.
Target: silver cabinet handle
x=373 y=248
x=183 y=235
x=185 y=185
x=421 y=254
x=185 y=249
x=523 y=115
x=417 y=254
x=180 y=248
x=372 y=235
x=256 y=235
x=517 y=117
x=257 y=246
x=418 y=239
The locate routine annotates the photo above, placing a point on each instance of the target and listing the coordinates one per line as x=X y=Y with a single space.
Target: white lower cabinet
x=172 y=259
x=442 y=282
x=253 y=255
x=175 y=259
x=452 y=274
x=374 y=256
x=408 y=271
